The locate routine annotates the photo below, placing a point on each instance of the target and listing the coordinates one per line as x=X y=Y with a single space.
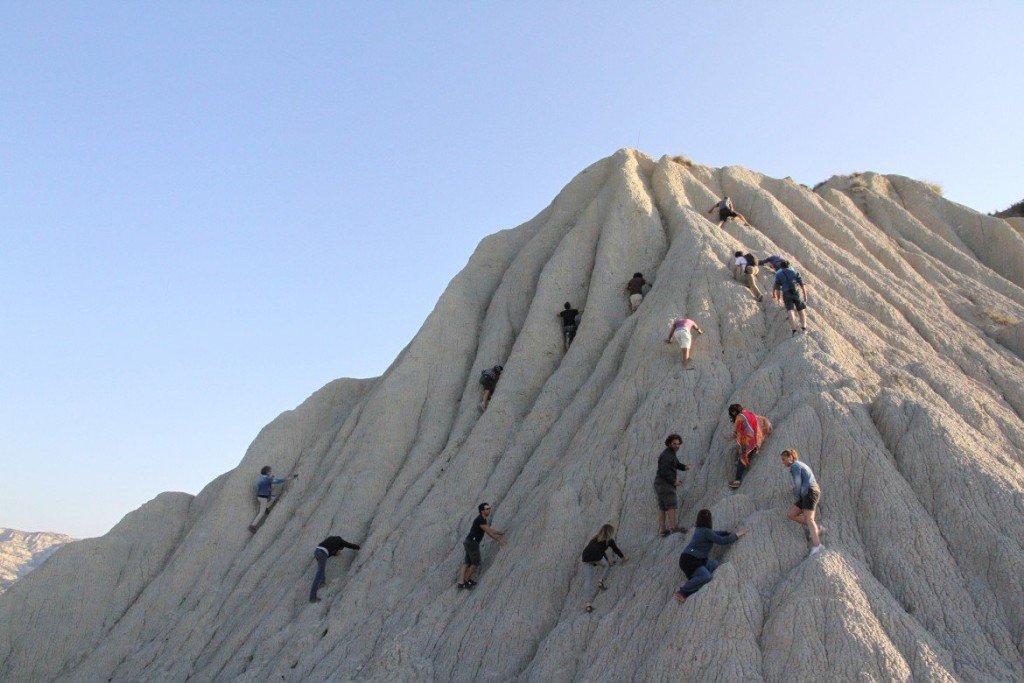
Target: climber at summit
x=264 y=494
x=786 y=282
x=726 y=210
x=472 y=545
x=665 y=484
x=635 y=289
x=694 y=560
x=751 y=430
x=679 y=332
x=489 y=380
x=329 y=547
x=807 y=494
x=744 y=268
x=597 y=564
x=570 y=323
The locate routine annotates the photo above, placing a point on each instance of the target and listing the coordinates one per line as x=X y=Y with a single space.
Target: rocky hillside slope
x=906 y=398
x=23 y=551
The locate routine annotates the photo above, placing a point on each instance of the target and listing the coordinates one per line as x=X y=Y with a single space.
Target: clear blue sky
x=209 y=210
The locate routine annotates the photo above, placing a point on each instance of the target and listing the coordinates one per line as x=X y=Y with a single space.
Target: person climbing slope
x=773 y=262
x=329 y=547
x=596 y=563
x=738 y=263
x=679 y=332
x=264 y=494
x=489 y=380
x=807 y=494
x=747 y=276
x=726 y=211
x=786 y=282
x=694 y=560
x=472 y=545
x=751 y=430
x=665 y=484
x=635 y=289
x=570 y=323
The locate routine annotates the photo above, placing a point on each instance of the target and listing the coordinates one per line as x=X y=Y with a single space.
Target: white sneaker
x=815 y=550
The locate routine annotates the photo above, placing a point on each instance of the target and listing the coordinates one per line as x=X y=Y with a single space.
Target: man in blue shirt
x=264 y=494
x=807 y=494
x=786 y=282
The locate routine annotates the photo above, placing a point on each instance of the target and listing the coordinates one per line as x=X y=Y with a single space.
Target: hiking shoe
x=470 y=583
x=314 y=600
x=815 y=550
x=679 y=596
x=460 y=586
x=252 y=528
x=666 y=534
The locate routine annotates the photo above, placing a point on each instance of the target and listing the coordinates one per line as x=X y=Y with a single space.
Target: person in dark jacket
x=264 y=494
x=665 y=484
x=489 y=381
x=570 y=323
x=597 y=564
x=694 y=560
x=329 y=547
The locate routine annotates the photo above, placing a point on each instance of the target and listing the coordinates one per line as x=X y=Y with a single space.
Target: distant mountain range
x=22 y=551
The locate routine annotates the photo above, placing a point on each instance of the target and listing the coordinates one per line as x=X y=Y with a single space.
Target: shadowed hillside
x=906 y=398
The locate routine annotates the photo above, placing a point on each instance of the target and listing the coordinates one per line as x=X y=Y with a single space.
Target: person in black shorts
x=472 y=545
x=570 y=323
x=726 y=211
x=489 y=381
x=666 y=483
x=787 y=282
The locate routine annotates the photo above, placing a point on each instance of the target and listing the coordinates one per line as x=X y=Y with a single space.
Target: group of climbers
x=749 y=429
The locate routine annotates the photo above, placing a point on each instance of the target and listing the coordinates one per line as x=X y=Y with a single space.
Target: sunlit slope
x=906 y=398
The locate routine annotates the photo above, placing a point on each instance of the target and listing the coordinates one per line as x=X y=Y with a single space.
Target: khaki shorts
x=634 y=300
x=682 y=337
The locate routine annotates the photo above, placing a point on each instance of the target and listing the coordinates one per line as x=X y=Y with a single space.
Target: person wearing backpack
x=264 y=494
x=786 y=282
x=751 y=431
x=748 y=271
x=694 y=560
x=570 y=323
x=489 y=380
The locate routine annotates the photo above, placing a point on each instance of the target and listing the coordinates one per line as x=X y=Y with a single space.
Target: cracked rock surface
x=906 y=397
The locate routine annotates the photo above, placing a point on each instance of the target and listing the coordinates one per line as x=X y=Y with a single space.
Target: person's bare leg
x=812 y=527
x=792 y=320
x=796 y=514
x=686 y=357
x=486 y=399
x=670 y=520
x=803 y=319
x=463 y=572
x=661 y=521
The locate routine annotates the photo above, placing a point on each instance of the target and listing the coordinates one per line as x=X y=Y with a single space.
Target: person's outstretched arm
x=496 y=535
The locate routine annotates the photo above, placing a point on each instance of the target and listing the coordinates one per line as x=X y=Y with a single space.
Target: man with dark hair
x=665 y=484
x=570 y=322
x=635 y=289
x=489 y=381
x=264 y=494
x=329 y=547
x=786 y=282
x=472 y=545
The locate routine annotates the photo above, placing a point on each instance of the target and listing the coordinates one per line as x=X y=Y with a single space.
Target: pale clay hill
x=23 y=551
x=906 y=398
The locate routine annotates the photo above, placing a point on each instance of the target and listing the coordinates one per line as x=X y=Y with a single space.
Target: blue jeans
x=700 y=577
x=320 y=555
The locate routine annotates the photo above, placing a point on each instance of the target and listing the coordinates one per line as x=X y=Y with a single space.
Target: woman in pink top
x=679 y=333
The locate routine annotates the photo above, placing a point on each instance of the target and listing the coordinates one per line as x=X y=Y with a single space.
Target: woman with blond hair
x=596 y=564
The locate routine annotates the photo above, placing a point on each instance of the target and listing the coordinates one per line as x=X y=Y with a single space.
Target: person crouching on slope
x=264 y=494
x=635 y=289
x=751 y=431
x=726 y=211
x=679 y=332
x=694 y=560
x=596 y=563
x=808 y=495
x=665 y=484
x=489 y=381
x=329 y=547
x=472 y=545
